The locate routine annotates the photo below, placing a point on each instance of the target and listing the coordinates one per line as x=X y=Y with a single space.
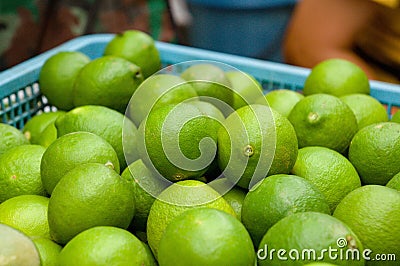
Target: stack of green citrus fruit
x=140 y=166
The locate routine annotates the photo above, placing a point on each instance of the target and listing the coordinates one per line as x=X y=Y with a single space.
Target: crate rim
x=28 y=68
x=27 y=72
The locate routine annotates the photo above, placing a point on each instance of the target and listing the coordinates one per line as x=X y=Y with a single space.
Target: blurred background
x=253 y=28
x=302 y=33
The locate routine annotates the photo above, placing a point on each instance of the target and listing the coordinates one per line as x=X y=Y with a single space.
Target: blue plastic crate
x=21 y=98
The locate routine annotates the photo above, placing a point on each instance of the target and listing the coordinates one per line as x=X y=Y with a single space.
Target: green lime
x=34 y=128
x=104 y=122
x=138 y=47
x=374 y=151
x=16 y=248
x=255 y=141
x=176 y=199
x=143 y=181
x=283 y=100
x=307 y=237
x=48 y=136
x=394 y=182
x=286 y=145
x=329 y=171
x=396 y=117
x=48 y=251
x=210 y=82
x=367 y=109
x=109 y=81
x=71 y=150
x=209 y=110
x=10 y=137
x=89 y=195
x=156 y=91
x=152 y=260
x=20 y=172
x=179 y=141
x=57 y=77
x=27 y=213
x=205 y=236
x=323 y=120
x=235 y=197
x=337 y=77
x=372 y=212
x=247 y=90
x=104 y=245
x=278 y=196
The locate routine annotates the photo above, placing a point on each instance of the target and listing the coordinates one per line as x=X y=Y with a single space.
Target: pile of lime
x=197 y=165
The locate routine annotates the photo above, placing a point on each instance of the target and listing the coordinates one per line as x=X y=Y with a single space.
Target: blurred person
x=30 y=27
x=366 y=32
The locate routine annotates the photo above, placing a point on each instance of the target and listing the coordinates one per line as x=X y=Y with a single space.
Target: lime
x=278 y=196
x=71 y=150
x=48 y=136
x=152 y=260
x=142 y=179
x=176 y=199
x=374 y=151
x=138 y=47
x=109 y=81
x=372 y=212
x=27 y=213
x=20 y=171
x=179 y=141
x=156 y=91
x=205 y=236
x=210 y=81
x=329 y=171
x=10 y=137
x=256 y=141
x=104 y=122
x=57 y=77
x=210 y=110
x=283 y=100
x=394 y=182
x=89 y=195
x=367 y=109
x=247 y=89
x=337 y=77
x=48 y=251
x=35 y=127
x=16 y=248
x=396 y=117
x=323 y=120
x=235 y=197
x=306 y=237
x=104 y=245
x=286 y=146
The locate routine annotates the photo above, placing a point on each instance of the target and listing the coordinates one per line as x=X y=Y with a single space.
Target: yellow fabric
x=389 y=3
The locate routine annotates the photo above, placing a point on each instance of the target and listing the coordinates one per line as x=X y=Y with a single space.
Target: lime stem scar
x=313 y=117
x=248 y=150
x=109 y=164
